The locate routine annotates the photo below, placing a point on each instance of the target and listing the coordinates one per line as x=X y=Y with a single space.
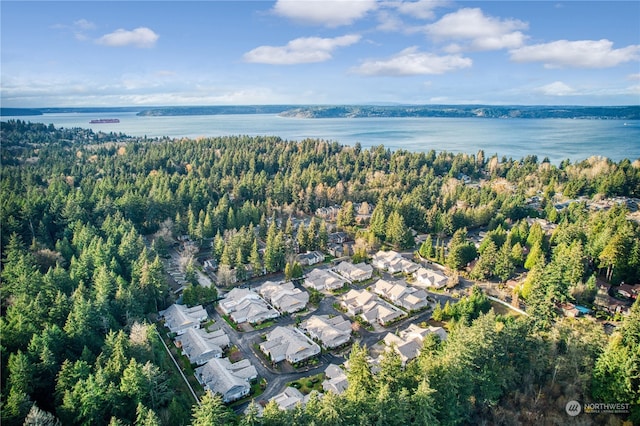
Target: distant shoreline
x=361 y=111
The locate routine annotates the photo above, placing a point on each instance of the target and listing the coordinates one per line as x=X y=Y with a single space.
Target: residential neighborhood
x=388 y=294
x=389 y=290
x=301 y=337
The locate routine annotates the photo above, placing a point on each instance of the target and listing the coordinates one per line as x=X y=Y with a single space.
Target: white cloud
x=332 y=13
x=634 y=90
x=557 y=88
x=139 y=37
x=633 y=76
x=78 y=28
x=576 y=54
x=83 y=24
x=389 y=22
x=51 y=91
x=479 y=32
x=300 y=51
x=421 y=9
x=412 y=62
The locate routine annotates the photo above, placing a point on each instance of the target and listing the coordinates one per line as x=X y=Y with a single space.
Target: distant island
x=631 y=112
x=453 y=111
x=463 y=111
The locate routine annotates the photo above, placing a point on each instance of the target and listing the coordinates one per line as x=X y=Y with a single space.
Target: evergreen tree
x=313 y=241
x=254 y=259
x=359 y=375
x=377 y=225
x=251 y=416
x=303 y=239
x=323 y=236
x=397 y=232
x=211 y=411
x=504 y=267
x=426 y=248
x=146 y=416
x=424 y=405
x=535 y=257
x=517 y=255
x=461 y=251
x=485 y=265
x=438 y=313
x=616 y=372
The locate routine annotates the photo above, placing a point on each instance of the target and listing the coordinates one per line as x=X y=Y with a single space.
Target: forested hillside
x=81 y=285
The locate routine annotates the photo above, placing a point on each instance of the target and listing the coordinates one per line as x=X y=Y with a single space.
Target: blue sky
x=123 y=53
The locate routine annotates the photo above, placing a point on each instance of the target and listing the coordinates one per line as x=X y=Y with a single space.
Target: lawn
x=308 y=384
x=263 y=325
x=230 y=322
x=342 y=290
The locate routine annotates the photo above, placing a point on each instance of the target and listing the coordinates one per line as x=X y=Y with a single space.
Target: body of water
x=557 y=139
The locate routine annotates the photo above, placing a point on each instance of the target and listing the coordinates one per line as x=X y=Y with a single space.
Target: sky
x=153 y=53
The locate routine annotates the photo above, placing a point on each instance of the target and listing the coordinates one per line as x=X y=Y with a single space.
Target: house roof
x=336 y=379
x=289 y=398
x=386 y=255
x=321 y=279
x=221 y=376
x=198 y=344
x=430 y=277
x=351 y=271
x=401 y=294
x=372 y=307
x=292 y=302
x=253 y=310
x=408 y=342
x=314 y=256
x=382 y=287
x=397 y=291
x=331 y=332
x=235 y=297
x=333 y=370
x=284 y=296
x=178 y=317
x=441 y=332
x=409 y=350
x=628 y=290
x=289 y=343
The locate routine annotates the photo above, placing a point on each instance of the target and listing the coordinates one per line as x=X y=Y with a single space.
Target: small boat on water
x=104 y=121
